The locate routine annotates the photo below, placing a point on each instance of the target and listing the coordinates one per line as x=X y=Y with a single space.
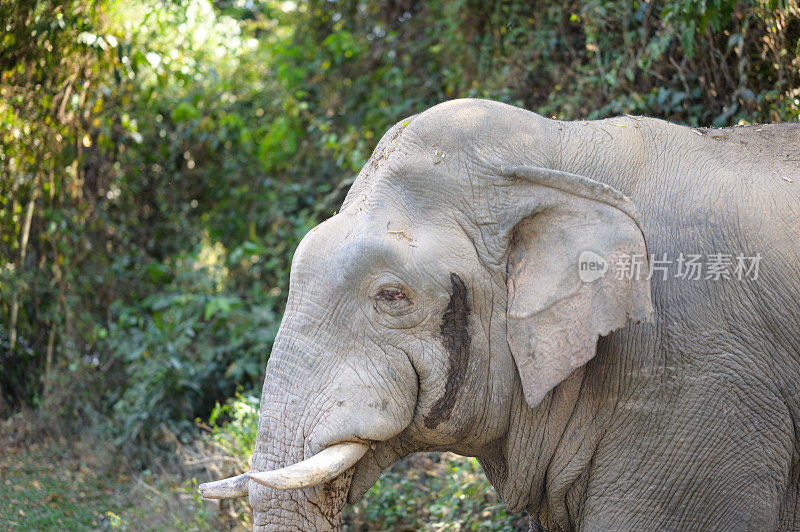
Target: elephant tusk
x=322 y=467
x=228 y=488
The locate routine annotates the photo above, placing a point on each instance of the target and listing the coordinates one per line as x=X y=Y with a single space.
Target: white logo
x=591 y=266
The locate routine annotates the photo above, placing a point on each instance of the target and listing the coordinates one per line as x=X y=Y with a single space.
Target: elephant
x=605 y=313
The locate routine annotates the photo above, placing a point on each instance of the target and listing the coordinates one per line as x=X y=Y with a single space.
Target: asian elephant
x=515 y=288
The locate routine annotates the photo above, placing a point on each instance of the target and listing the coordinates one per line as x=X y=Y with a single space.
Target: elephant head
x=442 y=301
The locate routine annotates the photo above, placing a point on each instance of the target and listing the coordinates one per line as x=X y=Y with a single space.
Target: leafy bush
x=232 y=429
x=185 y=348
x=434 y=492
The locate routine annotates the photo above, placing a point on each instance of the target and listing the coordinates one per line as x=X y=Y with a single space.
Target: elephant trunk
x=289 y=493
x=301 y=471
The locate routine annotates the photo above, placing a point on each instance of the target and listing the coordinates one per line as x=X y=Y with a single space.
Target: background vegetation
x=159 y=162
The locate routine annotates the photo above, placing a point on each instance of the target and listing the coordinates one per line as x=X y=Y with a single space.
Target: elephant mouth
x=323 y=467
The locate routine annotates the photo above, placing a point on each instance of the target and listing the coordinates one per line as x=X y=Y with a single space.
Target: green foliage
x=232 y=428
x=52 y=54
x=182 y=350
x=433 y=492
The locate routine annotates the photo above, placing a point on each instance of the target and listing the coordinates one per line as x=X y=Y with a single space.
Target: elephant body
x=693 y=422
x=443 y=309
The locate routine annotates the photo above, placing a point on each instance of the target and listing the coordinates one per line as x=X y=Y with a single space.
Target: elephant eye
x=395 y=303
x=391 y=294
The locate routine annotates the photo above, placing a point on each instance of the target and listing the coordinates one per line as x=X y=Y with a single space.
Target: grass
x=55 y=487
x=43 y=488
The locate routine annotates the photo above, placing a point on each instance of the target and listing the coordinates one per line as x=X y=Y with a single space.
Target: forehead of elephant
x=441 y=159
x=457 y=124
x=351 y=250
x=479 y=128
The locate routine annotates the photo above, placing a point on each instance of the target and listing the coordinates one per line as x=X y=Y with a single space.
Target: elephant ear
x=577 y=269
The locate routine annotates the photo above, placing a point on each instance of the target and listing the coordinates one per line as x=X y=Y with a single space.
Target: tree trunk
x=25 y=231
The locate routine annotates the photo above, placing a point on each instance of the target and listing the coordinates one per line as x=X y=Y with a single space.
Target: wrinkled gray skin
x=687 y=420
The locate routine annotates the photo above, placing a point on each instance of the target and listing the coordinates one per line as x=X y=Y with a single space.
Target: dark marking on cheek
x=456 y=339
